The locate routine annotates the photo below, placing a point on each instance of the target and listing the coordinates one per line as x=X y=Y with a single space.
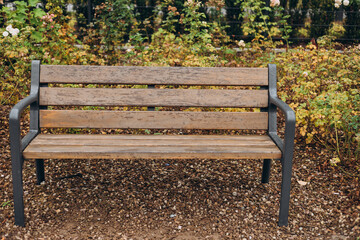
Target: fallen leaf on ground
x=302 y=183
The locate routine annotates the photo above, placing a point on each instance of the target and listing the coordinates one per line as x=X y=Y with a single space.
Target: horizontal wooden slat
x=91 y=152
x=153 y=119
x=148 y=147
x=115 y=137
x=154 y=75
x=153 y=97
x=108 y=140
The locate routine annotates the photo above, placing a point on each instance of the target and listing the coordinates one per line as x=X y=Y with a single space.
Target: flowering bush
x=195 y=47
x=339 y=2
x=262 y=22
x=323 y=87
x=10 y=30
x=37 y=36
x=114 y=23
x=274 y=3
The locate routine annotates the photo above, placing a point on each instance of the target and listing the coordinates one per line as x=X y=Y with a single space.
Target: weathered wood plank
x=108 y=140
x=153 y=120
x=153 y=97
x=145 y=152
x=114 y=137
x=154 y=75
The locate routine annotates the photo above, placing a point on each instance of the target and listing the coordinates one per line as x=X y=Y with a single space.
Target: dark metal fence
x=307 y=23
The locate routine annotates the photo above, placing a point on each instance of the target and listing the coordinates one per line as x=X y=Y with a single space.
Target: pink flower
x=274 y=3
x=52 y=26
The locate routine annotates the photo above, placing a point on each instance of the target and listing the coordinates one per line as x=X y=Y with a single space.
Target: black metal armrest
x=290 y=120
x=286 y=146
x=14 y=123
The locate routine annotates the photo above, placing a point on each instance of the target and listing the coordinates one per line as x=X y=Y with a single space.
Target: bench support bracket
x=40 y=172
x=266 y=171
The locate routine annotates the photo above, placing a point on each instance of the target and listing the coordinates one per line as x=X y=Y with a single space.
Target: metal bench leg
x=18 y=190
x=285 y=191
x=40 y=172
x=266 y=171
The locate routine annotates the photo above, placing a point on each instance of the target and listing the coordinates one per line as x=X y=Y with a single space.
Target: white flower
x=5 y=34
x=9 y=28
x=14 y=31
x=338 y=2
x=346 y=2
x=337 y=5
x=241 y=43
x=305 y=74
x=274 y=3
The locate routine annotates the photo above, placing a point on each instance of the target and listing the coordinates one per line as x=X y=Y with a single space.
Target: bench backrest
x=122 y=95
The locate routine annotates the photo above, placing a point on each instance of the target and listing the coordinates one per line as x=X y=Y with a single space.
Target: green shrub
x=195 y=47
x=320 y=16
x=323 y=88
x=112 y=25
x=38 y=35
x=262 y=23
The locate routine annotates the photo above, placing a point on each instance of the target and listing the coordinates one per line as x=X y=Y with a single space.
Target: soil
x=189 y=199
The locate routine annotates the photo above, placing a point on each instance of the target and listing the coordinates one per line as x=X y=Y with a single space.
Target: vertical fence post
x=89 y=11
x=339 y=14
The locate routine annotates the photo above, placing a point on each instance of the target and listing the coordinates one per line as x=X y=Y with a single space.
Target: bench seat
x=79 y=146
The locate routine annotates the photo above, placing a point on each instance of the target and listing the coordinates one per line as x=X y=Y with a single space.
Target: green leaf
x=4 y=204
x=38 y=12
x=21 y=18
x=20 y=3
x=32 y=3
x=229 y=51
x=37 y=36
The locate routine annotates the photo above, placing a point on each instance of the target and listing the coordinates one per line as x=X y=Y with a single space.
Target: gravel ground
x=188 y=199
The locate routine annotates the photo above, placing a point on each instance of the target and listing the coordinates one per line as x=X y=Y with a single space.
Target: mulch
x=189 y=199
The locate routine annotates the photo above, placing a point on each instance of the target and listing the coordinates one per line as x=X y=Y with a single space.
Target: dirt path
x=191 y=199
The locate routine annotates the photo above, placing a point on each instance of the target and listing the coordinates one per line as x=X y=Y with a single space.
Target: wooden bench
x=38 y=146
